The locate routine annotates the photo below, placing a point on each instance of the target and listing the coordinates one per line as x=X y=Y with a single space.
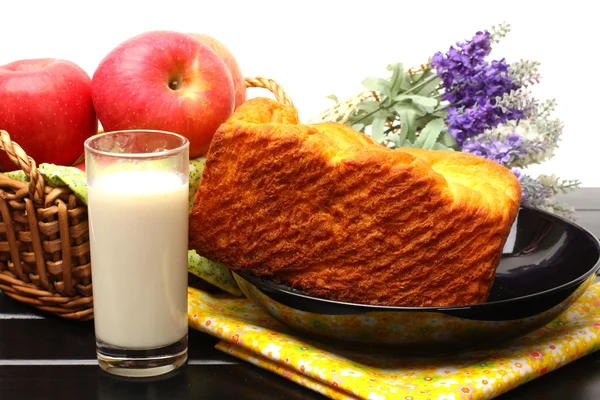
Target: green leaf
x=360 y=119
x=394 y=138
x=408 y=119
x=441 y=113
x=366 y=119
x=427 y=103
x=403 y=98
x=406 y=84
x=363 y=113
x=407 y=104
x=397 y=78
x=429 y=135
x=429 y=87
x=419 y=76
x=447 y=140
x=358 y=127
x=333 y=97
x=424 y=120
x=368 y=106
x=415 y=78
x=377 y=85
x=377 y=127
x=439 y=146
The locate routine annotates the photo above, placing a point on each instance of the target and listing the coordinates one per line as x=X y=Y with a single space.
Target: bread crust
x=328 y=211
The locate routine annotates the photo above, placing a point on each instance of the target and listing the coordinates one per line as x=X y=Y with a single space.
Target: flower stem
x=392 y=128
x=420 y=85
x=380 y=107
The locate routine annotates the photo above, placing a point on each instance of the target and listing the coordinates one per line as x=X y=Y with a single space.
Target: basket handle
x=27 y=164
x=272 y=86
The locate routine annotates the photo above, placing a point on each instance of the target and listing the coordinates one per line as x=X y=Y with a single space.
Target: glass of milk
x=137 y=184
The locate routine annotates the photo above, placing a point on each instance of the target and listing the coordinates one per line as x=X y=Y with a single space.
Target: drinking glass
x=137 y=183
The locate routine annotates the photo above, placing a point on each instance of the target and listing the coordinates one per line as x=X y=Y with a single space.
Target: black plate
x=548 y=263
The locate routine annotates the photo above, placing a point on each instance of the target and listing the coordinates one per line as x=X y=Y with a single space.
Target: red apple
x=239 y=83
x=46 y=107
x=164 y=80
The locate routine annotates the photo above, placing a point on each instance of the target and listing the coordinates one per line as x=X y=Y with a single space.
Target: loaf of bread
x=327 y=210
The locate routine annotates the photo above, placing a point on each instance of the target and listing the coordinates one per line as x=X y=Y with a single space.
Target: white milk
x=139 y=236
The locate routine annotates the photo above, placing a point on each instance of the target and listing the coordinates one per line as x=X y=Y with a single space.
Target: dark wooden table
x=45 y=357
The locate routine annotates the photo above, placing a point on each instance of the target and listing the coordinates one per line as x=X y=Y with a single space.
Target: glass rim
x=155 y=154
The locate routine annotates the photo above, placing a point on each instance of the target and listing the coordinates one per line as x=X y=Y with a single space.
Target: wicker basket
x=44 y=242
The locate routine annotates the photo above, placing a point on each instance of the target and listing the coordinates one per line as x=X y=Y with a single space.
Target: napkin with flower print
x=251 y=335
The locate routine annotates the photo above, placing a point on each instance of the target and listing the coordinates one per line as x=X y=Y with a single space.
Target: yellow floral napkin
x=250 y=334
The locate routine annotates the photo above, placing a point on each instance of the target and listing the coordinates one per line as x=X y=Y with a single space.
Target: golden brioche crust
x=325 y=209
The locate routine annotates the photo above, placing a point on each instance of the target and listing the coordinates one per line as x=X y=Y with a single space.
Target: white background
x=316 y=48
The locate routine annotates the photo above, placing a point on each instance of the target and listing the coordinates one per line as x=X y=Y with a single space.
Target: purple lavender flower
x=500 y=151
x=533 y=191
x=471 y=85
x=457 y=63
x=464 y=123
